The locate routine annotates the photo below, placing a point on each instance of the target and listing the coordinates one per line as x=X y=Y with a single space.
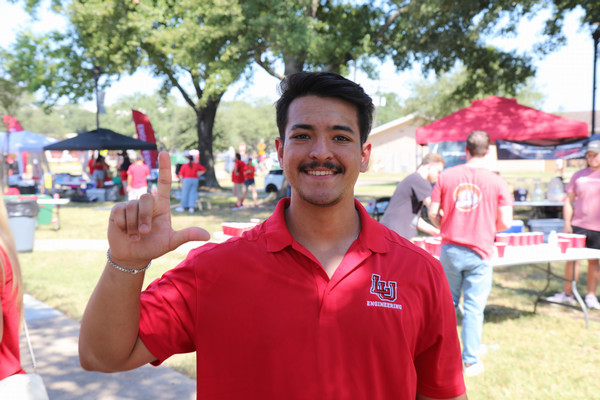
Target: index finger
x=163 y=193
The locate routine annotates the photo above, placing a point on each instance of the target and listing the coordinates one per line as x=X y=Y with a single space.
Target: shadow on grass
x=495 y=313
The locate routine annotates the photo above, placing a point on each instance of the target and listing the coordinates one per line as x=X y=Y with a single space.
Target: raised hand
x=140 y=230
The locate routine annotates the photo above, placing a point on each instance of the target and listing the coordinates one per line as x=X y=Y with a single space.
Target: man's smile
x=318 y=169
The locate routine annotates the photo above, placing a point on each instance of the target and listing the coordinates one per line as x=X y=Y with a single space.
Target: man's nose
x=321 y=148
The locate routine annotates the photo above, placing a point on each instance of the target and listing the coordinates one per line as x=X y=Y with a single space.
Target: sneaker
x=191 y=209
x=473 y=369
x=562 y=298
x=591 y=302
x=179 y=209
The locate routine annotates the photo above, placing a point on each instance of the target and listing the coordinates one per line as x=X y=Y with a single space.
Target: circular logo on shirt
x=467 y=197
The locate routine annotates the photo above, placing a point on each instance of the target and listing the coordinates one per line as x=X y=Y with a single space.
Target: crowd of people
x=133 y=178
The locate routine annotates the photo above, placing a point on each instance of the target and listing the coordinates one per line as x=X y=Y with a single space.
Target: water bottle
x=538 y=194
x=556 y=190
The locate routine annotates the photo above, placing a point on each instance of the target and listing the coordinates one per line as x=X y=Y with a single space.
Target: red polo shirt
x=266 y=322
x=10 y=359
x=187 y=171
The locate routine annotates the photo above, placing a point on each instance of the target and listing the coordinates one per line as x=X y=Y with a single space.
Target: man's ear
x=279 y=149
x=365 y=157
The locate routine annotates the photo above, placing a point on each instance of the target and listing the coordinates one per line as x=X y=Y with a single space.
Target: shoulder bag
x=24 y=386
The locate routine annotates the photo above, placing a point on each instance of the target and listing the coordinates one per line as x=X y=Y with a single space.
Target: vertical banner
x=12 y=124
x=146 y=133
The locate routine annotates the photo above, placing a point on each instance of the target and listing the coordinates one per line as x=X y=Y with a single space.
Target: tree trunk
x=293 y=64
x=205 y=121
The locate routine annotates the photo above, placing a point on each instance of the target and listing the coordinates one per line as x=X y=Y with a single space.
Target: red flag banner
x=144 y=130
x=12 y=124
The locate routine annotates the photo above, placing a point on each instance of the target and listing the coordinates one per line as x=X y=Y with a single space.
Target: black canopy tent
x=101 y=139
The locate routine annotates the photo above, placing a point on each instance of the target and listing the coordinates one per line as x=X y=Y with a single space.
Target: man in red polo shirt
x=318 y=302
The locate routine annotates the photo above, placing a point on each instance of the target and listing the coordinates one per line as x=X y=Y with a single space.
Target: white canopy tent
x=22 y=142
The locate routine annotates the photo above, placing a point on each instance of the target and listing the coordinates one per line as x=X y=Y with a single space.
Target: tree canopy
x=199 y=48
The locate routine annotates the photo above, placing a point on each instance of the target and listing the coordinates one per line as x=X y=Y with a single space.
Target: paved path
x=54 y=337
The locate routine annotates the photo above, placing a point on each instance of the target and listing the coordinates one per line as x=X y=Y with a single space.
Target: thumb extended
x=188 y=235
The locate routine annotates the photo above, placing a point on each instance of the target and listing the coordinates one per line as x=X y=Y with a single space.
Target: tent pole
x=97 y=71
x=596 y=37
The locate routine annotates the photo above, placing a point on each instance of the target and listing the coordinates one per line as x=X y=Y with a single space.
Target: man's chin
x=320 y=201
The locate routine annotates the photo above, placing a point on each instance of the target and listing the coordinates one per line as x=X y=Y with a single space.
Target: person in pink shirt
x=137 y=173
x=581 y=213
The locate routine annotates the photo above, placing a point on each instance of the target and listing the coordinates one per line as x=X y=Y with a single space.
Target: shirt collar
x=372 y=233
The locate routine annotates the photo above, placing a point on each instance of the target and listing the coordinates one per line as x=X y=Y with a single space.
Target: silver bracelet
x=131 y=271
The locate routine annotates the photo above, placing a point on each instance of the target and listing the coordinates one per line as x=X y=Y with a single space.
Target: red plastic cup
x=419 y=242
x=500 y=247
x=563 y=236
x=503 y=238
x=539 y=237
x=577 y=240
x=564 y=244
x=433 y=246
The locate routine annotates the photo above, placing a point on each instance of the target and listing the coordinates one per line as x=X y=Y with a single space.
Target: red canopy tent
x=502 y=119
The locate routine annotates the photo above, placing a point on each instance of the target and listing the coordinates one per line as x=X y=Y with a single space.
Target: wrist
x=132 y=267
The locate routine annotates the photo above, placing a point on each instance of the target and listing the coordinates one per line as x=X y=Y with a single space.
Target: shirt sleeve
x=167 y=313
x=436 y=194
x=438 y=360
x=505 y=198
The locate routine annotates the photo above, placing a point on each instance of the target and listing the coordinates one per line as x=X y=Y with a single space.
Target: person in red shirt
x=320 y=301
x=11 y=295
x=100 y=169
x=470 y=204
x=238 y=179
x=90 y=165
x=124 y=164
x=249 y=181
x=188 y=175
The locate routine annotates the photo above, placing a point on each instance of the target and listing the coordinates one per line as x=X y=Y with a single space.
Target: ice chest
x=516 y=227
x=546 y=225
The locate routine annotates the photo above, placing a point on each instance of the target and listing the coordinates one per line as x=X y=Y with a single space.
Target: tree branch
x=378 y=38
x=267 y=67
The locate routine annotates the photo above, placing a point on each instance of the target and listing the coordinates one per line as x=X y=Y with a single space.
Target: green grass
x=546 y=355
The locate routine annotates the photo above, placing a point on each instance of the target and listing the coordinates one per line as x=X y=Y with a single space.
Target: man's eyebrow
x=345 y=128
x=309 y=127
x=302 y=126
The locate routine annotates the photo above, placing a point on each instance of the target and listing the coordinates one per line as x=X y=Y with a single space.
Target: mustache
x=325 y=165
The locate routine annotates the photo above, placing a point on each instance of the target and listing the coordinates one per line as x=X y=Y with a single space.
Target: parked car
x=376 y=207
x=274 y=180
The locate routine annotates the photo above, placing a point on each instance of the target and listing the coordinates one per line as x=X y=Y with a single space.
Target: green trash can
x=45 y=215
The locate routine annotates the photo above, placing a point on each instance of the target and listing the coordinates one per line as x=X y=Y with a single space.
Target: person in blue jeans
x=189 y=174
x=470 y=204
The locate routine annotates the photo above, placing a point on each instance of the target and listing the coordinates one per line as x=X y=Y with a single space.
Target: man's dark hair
x=478 y=143
x=324 y=84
